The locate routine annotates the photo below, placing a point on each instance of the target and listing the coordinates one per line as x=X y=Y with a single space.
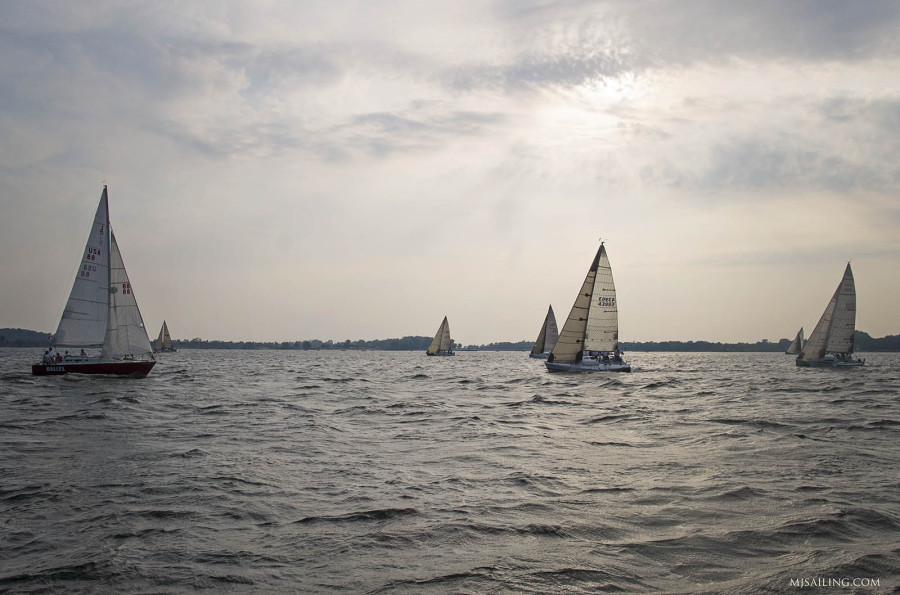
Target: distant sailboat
x=101 y=314
x=546 y=338
x=589 y=340
x=163 y=343
x=797 y=344
x=831 y=342
x=442 y=344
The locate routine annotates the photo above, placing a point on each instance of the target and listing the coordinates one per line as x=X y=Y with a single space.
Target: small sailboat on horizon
x=831 y=342
x=547 y=337
x=163 y=343
x=589 y=339
x=100 y=315
x=442 y=344
x=796 y=345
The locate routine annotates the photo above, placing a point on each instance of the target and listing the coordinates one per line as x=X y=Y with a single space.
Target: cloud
x=807 y=30
x=411 y=146
x=532 y=70
x=837 y=145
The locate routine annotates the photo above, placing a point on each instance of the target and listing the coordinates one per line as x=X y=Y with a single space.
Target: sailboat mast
x=108 y=242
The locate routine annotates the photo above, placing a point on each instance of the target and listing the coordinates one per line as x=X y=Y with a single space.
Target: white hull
x=589 y=366
x=830 y=362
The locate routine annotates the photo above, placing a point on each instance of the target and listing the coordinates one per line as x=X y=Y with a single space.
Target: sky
x=287 y=170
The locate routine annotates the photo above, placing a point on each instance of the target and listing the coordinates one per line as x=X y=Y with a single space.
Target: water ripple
x=371 y=472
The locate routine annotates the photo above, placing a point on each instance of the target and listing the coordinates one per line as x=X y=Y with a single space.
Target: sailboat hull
x=588 y=366
x=440 y=354
x=827 y=362
x=132 y=369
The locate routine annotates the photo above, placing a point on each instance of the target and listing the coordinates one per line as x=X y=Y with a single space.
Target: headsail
x=548 y=336
x=571 y=337
x=83 y=321
x=125 y=332
x=834 y=331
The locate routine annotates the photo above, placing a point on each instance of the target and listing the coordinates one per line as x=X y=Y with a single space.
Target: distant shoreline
x=864 y=343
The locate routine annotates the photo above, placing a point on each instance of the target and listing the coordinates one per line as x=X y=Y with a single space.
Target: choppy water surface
x=380 y=472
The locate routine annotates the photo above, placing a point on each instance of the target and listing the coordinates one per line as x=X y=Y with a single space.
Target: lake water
x=393 y=472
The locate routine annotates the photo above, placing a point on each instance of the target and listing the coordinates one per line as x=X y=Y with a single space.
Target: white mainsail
x=834 y=331
x=797 y=344
x=593 y=322
x=441 y=342
x=83 y=321
x=548 y=336
x=602 y=330
x=125 y=332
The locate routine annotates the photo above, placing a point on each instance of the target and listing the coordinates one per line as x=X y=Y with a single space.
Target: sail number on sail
x=91 y=255
x=606 y=302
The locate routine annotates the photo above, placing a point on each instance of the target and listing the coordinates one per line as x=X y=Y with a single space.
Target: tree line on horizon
x=15 y=337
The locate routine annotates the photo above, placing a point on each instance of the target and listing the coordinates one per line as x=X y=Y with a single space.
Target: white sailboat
x=831 y=342
x=442 y=344
x=163 y=343
x=547 y=337
x=589 y=340
x=101 y=314
x=796 y=345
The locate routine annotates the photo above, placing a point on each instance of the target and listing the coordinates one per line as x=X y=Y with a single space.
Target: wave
x=567 y=579
x=756 y=423
x=610 y=417
x=738 y=494
x=471 y=579
x=382 y=514
x=724 y=479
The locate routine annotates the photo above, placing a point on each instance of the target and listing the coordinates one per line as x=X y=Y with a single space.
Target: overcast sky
x=284 y=170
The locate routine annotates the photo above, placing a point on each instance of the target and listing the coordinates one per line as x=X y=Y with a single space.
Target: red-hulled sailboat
x=101 y=330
